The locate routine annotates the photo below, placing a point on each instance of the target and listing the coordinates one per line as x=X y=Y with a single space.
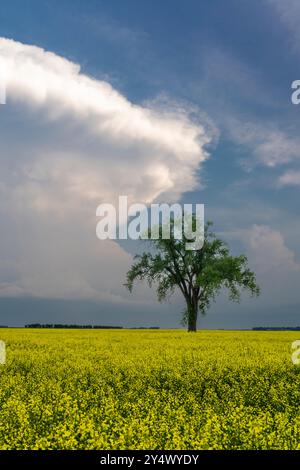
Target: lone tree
x=199 y=274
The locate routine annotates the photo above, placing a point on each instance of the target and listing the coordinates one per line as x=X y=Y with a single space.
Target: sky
x=169 y=101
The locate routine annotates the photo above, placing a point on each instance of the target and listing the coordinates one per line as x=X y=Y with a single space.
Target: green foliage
x=199 y=274
x=80 y=389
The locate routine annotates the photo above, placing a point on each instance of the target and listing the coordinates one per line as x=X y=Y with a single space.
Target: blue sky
x=230 y=65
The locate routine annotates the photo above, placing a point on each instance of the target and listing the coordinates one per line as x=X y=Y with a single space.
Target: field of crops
x=136 y=389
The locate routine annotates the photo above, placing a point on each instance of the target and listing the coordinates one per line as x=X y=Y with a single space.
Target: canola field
x=143 y=389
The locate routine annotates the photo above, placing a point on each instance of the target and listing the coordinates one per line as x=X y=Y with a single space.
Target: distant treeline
x=144 y=328
x=58 y=325
x=94 y=327
x=276 y=328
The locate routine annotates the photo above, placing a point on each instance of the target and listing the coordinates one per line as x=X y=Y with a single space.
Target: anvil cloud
x=68 y=143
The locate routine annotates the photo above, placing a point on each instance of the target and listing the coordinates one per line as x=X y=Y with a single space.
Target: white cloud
x=68 y=143
x=267 y=250
x=269 y=145
x=233 y=90
x=290 y=178
x=275 y=264
x=137 y=136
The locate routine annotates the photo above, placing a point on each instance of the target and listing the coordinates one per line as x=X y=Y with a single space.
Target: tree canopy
x=200 y=275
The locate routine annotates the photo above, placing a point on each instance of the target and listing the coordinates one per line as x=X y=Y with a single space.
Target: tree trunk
x=192 y=325
x=192 y=317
